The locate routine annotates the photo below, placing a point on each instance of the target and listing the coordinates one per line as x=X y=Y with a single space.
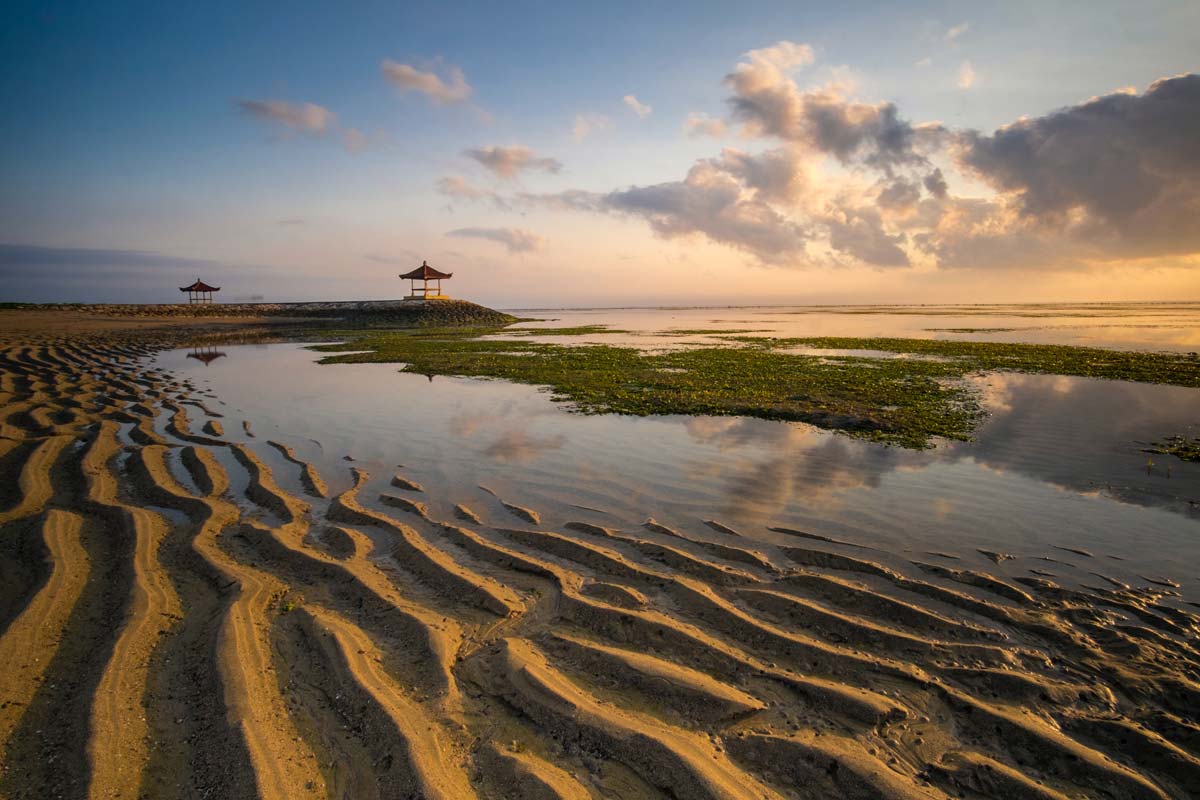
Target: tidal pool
x=1058 y=466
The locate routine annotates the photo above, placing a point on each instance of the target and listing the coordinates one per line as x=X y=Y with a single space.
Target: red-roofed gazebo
x=199 y=292
x=425 y=274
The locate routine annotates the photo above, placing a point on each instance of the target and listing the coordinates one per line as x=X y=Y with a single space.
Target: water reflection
x=522 y=446
x=206 y=355
x=1080 y=435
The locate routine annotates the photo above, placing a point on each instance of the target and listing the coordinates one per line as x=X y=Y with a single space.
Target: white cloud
x=452 y=88
x=303 y=117
x=514 y=239
x=701 y=124
x=782 y=56
x=954 y=33
x=588 y=123
x=506 y=162
x=966 y=75
x=639 y=108
x=924 y=62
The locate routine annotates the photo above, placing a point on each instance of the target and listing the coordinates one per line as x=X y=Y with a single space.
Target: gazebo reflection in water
x=206 y=355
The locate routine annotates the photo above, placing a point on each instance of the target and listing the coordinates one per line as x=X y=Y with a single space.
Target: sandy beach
x=181 y=618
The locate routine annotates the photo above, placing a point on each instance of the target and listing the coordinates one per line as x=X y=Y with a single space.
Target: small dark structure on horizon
x=205 y=355
x=200 y=292
x=425 y=274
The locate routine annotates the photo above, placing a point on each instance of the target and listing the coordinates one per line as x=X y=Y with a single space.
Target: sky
x=602 y=154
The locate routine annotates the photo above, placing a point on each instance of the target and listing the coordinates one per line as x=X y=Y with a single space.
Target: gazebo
x=200 y=292
x=425 y=274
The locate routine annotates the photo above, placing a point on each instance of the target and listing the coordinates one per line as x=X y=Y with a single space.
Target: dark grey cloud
x=1129 y=163
x=935 y=183
x=860 y=233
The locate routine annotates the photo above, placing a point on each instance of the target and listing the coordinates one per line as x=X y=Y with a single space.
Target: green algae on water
x=906 y=402
x=1181 y=447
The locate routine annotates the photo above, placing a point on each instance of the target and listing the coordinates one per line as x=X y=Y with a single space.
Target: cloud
x=769 y=103
x=710 y=201
x=954 y=33
x=899 y=194
x=508 y=161
x=781 y=56
x=587 y=124
x=966 y=75
x=726 y=199
x=1115 y=178
x=1123 y=169
x=935 y=183
x=456 y=187
x=639 y=108
x=447 y=90
x=515 y=240
x=860 y=233
x=302 y=117
x=924 y=62
x=776 y=175
x=701 y=124
x=459 y=188
x=306 y=118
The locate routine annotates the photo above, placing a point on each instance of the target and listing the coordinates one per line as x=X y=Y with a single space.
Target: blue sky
x=123 y=132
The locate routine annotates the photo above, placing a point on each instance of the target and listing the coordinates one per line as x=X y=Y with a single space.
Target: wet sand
x=176 y=622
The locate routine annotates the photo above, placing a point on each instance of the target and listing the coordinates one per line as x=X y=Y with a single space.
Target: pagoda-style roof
x=199 y=286
x=425 y=273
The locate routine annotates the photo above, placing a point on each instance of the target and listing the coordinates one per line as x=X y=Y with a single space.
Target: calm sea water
x=1059 y=462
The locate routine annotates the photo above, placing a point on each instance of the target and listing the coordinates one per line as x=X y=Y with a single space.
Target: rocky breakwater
x=392 y=312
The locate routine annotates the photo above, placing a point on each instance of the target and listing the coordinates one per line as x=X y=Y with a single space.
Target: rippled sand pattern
x=176 y=623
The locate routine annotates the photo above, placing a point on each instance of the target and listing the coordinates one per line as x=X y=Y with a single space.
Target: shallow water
x=1124 y=326
x=1058 y=463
